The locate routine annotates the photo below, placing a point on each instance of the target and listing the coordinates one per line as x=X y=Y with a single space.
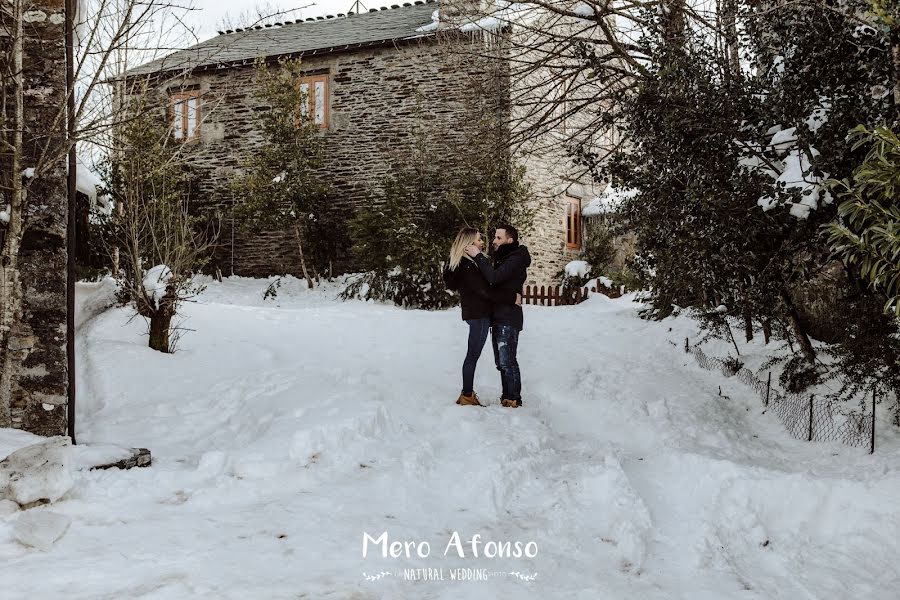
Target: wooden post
x=687 y=347
x=543 y=297
x=812 y=398
x=768 y=389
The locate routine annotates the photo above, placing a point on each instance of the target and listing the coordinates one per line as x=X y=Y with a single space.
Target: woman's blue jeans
x=478 y=333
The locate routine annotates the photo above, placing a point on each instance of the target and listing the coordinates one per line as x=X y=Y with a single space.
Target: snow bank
x=287 y=428
x=93 y=298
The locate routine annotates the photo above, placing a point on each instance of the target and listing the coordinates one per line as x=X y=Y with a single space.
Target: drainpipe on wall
x=70 y=228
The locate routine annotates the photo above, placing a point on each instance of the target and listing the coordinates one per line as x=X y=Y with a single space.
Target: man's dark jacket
x=509 y=272
x=477 y=298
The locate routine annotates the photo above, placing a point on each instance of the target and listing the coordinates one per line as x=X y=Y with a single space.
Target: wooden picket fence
x=553 y=295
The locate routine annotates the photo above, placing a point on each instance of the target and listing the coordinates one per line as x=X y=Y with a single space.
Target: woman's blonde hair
x=466 y=237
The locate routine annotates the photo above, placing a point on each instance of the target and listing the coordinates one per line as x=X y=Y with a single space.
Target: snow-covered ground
x=285 y=431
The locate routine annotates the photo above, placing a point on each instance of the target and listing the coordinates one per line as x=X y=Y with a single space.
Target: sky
x=208 y=17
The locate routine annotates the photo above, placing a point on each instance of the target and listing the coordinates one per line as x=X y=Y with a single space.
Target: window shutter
x=192 y=117
x=573 y=223
x=307 y=100
x=320 y=102
x=178 y=118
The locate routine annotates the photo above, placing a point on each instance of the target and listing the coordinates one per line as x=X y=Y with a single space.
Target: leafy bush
x=867 y=237
x=403 y=241
x=282 y=187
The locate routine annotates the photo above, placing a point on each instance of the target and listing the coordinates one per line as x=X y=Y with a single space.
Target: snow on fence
x=553 y=295
x=805 y=417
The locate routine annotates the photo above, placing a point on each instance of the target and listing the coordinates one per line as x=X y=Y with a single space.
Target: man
x=509 y=271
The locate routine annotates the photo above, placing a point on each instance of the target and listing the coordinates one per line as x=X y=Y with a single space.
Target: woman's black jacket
x=477 y=298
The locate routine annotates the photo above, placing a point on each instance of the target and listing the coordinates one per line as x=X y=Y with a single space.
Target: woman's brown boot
x=472 y=400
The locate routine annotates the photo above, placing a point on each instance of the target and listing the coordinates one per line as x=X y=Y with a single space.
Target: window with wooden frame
x=315 y=90
x=185 y=111
x=573 y=223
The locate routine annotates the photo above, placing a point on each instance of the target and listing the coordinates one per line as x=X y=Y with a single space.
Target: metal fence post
x=812 y=398
x=872 y=442
x=768 y=389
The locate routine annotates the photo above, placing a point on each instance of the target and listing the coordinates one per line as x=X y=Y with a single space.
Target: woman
x=477 y=299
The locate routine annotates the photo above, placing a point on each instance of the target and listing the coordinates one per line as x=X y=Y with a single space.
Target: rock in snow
x=40 y=472
x=40 y=528
x=8 y=507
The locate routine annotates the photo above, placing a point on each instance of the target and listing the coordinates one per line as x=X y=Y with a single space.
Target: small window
x=186 y=115
x=315 y=89
x=573 y=223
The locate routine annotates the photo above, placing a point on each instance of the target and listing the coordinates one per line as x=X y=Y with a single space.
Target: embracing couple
x=491 y=299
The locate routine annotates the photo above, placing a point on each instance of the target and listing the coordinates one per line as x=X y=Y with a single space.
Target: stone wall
x=555 y=183
x=376 y=96
x=39 y=393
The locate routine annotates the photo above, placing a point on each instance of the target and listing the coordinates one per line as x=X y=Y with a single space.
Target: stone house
x=370 y=76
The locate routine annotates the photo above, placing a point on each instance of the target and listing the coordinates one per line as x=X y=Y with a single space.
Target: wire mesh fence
x=806 y=417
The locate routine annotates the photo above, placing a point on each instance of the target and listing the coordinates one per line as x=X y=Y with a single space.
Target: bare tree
x=162 y=245
x=33 y=150
x=571 y=62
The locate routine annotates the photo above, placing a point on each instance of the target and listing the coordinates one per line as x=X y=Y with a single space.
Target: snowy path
x=281 y=434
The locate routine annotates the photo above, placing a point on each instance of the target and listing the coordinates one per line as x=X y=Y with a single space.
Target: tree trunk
x=767 y=330
x=731 y=334
x=10 y=284
x=806 y=347
x=748 y=324
x=729 y=24
x=746 y=313
x=159 y=331
x=673 y=24
x=787 y=335
x=309 y=281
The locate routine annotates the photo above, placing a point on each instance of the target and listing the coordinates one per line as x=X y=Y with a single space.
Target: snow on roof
x=87 y=183
x=609 y=201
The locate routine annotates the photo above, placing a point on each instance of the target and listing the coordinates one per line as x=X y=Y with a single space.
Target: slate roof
x=299 y=37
